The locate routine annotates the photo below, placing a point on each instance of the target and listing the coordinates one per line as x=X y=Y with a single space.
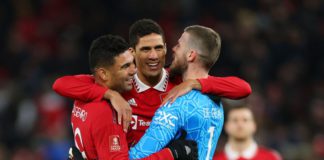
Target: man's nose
x=133 y=70
x=153 y=54
x=173 y=48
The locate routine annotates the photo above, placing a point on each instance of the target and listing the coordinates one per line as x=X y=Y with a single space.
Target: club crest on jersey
x=114 y=143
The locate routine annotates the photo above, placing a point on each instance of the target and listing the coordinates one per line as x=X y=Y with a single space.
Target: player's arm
x=227 y=87
x=79 y=87
x=84 y=88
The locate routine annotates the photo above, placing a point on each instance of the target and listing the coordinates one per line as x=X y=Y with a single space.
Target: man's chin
x=240 y=138
x=126 y=89
x=153 y=73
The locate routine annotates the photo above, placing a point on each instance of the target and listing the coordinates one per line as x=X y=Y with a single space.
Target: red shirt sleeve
x=79 y=87
x=228 y=87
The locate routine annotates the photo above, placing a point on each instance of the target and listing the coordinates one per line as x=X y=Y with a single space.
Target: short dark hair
x=142 y=28
x=229 y=109
x=104 y=49
x=207 y=41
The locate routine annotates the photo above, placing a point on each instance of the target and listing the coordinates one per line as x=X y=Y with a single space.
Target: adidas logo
x=132 y=102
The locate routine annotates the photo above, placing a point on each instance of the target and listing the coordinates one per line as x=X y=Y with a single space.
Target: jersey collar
x=248 y=153
x=161 y=86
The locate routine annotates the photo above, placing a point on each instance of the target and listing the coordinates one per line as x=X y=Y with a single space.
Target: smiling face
x=150 y=54
x=179 y=63
x=122 y=72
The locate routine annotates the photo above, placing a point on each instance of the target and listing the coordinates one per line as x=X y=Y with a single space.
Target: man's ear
x=192 y=55
x=103 y=73
x=132 y=50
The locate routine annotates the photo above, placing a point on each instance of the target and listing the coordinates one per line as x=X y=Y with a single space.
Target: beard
x=177 y=70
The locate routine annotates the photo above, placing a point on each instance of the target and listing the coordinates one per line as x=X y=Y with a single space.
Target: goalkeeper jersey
x=200 y=116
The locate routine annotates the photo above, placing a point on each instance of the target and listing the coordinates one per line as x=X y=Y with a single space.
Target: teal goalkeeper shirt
x=194 y=112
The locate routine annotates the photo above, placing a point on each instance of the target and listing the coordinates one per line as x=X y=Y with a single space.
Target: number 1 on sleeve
x=211 y=133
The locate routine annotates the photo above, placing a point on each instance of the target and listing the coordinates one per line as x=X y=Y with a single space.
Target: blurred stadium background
x=276 y=45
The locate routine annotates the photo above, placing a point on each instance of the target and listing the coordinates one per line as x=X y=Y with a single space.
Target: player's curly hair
x=104 y=49
x=142 y=28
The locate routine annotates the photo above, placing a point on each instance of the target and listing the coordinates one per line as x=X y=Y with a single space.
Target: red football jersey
x=145 y=100
x=97 y=134
x=252 y=153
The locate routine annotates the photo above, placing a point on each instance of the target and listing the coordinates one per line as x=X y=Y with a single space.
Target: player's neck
x=194 y=72
x=241 y=145
x=100 y=82
x=150 y=81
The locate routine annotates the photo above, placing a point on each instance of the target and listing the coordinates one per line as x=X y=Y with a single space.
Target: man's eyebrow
x=158 y=46
x=126 y=65
x=145 y=48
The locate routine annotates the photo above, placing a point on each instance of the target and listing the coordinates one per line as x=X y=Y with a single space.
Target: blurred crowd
x=276 y=45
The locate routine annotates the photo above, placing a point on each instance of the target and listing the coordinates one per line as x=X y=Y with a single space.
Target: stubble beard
x=178 y=70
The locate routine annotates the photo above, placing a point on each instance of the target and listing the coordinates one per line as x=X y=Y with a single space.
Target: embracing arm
x=84 y=88
x=79 y=87
x=231 y=87
x=228 y=87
